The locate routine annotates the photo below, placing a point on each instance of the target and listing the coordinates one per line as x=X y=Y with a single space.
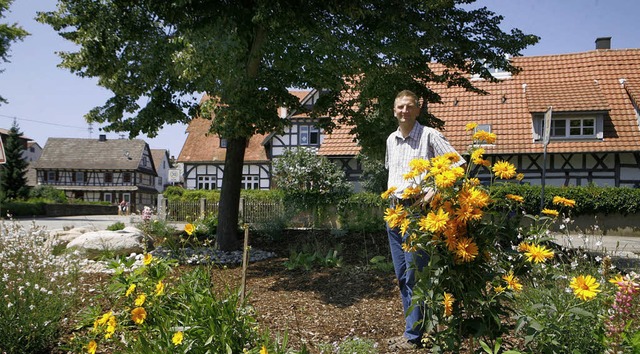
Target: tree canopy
x=158 y=57
x=13 y=179
x=8 y=33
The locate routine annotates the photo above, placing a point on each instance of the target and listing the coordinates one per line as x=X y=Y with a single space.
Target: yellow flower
x=102 y=320
x=404 y=225
x=471 y=126
x=131 y=289
x=409 y=245
x=523 y=247
x=448 y=303
x=410 y=192
x=434 y=222
x=513 y=282
x=476 y=155
x=445 y=179
x=466 y=250
x=388 y=192
x=177 y=338
x=564 y=201
x=111 y=327
x=474 y=181
x=138 y=315
x=92 y=346
x=411 y=174
x=499 y=289
x=515 y=198
x=139 y=301
x=550 y=212
x=263 y=350
x=484 y=136
x=146 y=260
x=420 y=165
x=189 y=229
x=159 y=288
x=504 y=170
x=394 y=217
x=616 y=280
x=520 y=176
x=453 y=157
x=537 y=253
x=585 y=287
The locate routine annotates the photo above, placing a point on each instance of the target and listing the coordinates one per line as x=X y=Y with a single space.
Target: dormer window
x=574 y=126
x=223 y=143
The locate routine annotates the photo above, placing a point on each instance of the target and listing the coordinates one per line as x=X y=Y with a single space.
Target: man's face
x=406 y=110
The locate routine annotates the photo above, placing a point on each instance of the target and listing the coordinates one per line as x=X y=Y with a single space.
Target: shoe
x=396 y=339
x=404 y=344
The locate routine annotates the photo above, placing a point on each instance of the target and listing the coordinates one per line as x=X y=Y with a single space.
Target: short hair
x=407 y=93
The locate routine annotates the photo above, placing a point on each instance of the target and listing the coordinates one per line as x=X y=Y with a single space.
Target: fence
x=251 y=211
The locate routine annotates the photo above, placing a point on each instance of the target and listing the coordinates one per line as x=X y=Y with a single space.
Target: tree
x=13 y=180
x=244 y=55
x=8 y=34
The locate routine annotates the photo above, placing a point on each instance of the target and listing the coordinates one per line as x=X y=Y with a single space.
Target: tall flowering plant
x=469 y=281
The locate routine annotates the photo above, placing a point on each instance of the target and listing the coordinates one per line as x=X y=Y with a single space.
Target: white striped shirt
x=422 y=142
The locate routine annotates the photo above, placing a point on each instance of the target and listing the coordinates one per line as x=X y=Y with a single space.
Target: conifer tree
x=13 y=180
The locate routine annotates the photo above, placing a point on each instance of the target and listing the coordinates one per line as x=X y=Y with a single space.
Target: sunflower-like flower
x=484 y=136
x=189 y=229
x=584 y=287
x=504 y=170
x=130 y=290
x=411 y=175
x=159 y=288
x=550 y=212
x=147 y=258
x=177 y=338
x=91 y=347
x=471 y=126
x=564 y=201
x=616 y=280
x=411 y=192
x=388 y=192
x=434 y=222
x=515 y=198
x=394 y=216
x=138 y=315
x=476 y=155
x=448 y=303
x=523 y=247
x=409 y=245
x=466 y=250
x=420 y=165
x=139 y=301
x=538 y=253
x=513 y=282
x=445 y=179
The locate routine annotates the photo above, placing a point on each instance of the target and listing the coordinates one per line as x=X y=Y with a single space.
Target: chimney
x=603 y=43
x=102 y=137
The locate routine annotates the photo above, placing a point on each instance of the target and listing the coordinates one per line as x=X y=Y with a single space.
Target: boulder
x=112 y=243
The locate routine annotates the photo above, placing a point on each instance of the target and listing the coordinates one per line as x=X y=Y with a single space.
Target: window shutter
x=600 y=127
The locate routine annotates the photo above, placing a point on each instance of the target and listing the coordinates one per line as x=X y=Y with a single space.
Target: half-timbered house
x=99 y=170
x=203 y=154
x=594 y=131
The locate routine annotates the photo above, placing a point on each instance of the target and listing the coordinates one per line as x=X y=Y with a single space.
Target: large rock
x=69 y=234
x=112 y=243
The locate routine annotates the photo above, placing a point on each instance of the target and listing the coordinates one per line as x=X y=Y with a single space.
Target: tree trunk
x=227 y=235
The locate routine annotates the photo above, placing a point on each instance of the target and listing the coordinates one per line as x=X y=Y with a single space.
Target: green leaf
x=581 y=312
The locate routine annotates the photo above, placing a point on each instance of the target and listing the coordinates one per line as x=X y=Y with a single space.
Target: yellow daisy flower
x=189 y=229
x=515 y=198
x=584 y=287
x=434 y=222
x=470 y=126
x=130 y=290
x=147 y=258
x=177 y=338
x=92 y=346
x=466 y=250
x=159 y=288
x=537 y=253
x=550 y=212
x=564 y=201
x=448 y=304
x=138 y=315
x=513 y=282
x=504 y=170
x=388 y=192
x=139 y=301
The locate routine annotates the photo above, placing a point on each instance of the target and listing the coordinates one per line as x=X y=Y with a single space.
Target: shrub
x=48 y=193
x=116 y=226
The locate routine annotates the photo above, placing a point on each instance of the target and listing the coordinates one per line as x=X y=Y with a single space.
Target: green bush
x=23 y=209
x=116 y=226
x=48 y=193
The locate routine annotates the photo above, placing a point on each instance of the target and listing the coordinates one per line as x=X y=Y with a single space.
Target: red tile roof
x=587 y=81
x=339 y=143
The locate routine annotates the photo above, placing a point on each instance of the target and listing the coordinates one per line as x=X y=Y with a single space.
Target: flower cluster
x=471 y=275
x=622 y=321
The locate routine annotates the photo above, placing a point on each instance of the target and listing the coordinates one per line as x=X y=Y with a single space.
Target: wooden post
x=245 y=263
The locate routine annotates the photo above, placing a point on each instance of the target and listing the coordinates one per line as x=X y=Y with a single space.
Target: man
x=411 y=140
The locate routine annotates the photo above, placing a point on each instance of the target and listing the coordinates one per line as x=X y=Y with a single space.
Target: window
x=223 y=142
x=126 y=177
x=308 y=135
x=145 y=161
x=108 y=177
x=108 y=197
x=250 y=182
x=207 y=182
x=573 y=128
x=78 y=177
x=52 y=176
x=159 y=181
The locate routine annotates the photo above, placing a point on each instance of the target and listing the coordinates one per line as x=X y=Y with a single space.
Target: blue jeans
x=405 y=265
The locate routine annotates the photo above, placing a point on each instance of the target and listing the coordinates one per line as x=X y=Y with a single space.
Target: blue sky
x=50 y=102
